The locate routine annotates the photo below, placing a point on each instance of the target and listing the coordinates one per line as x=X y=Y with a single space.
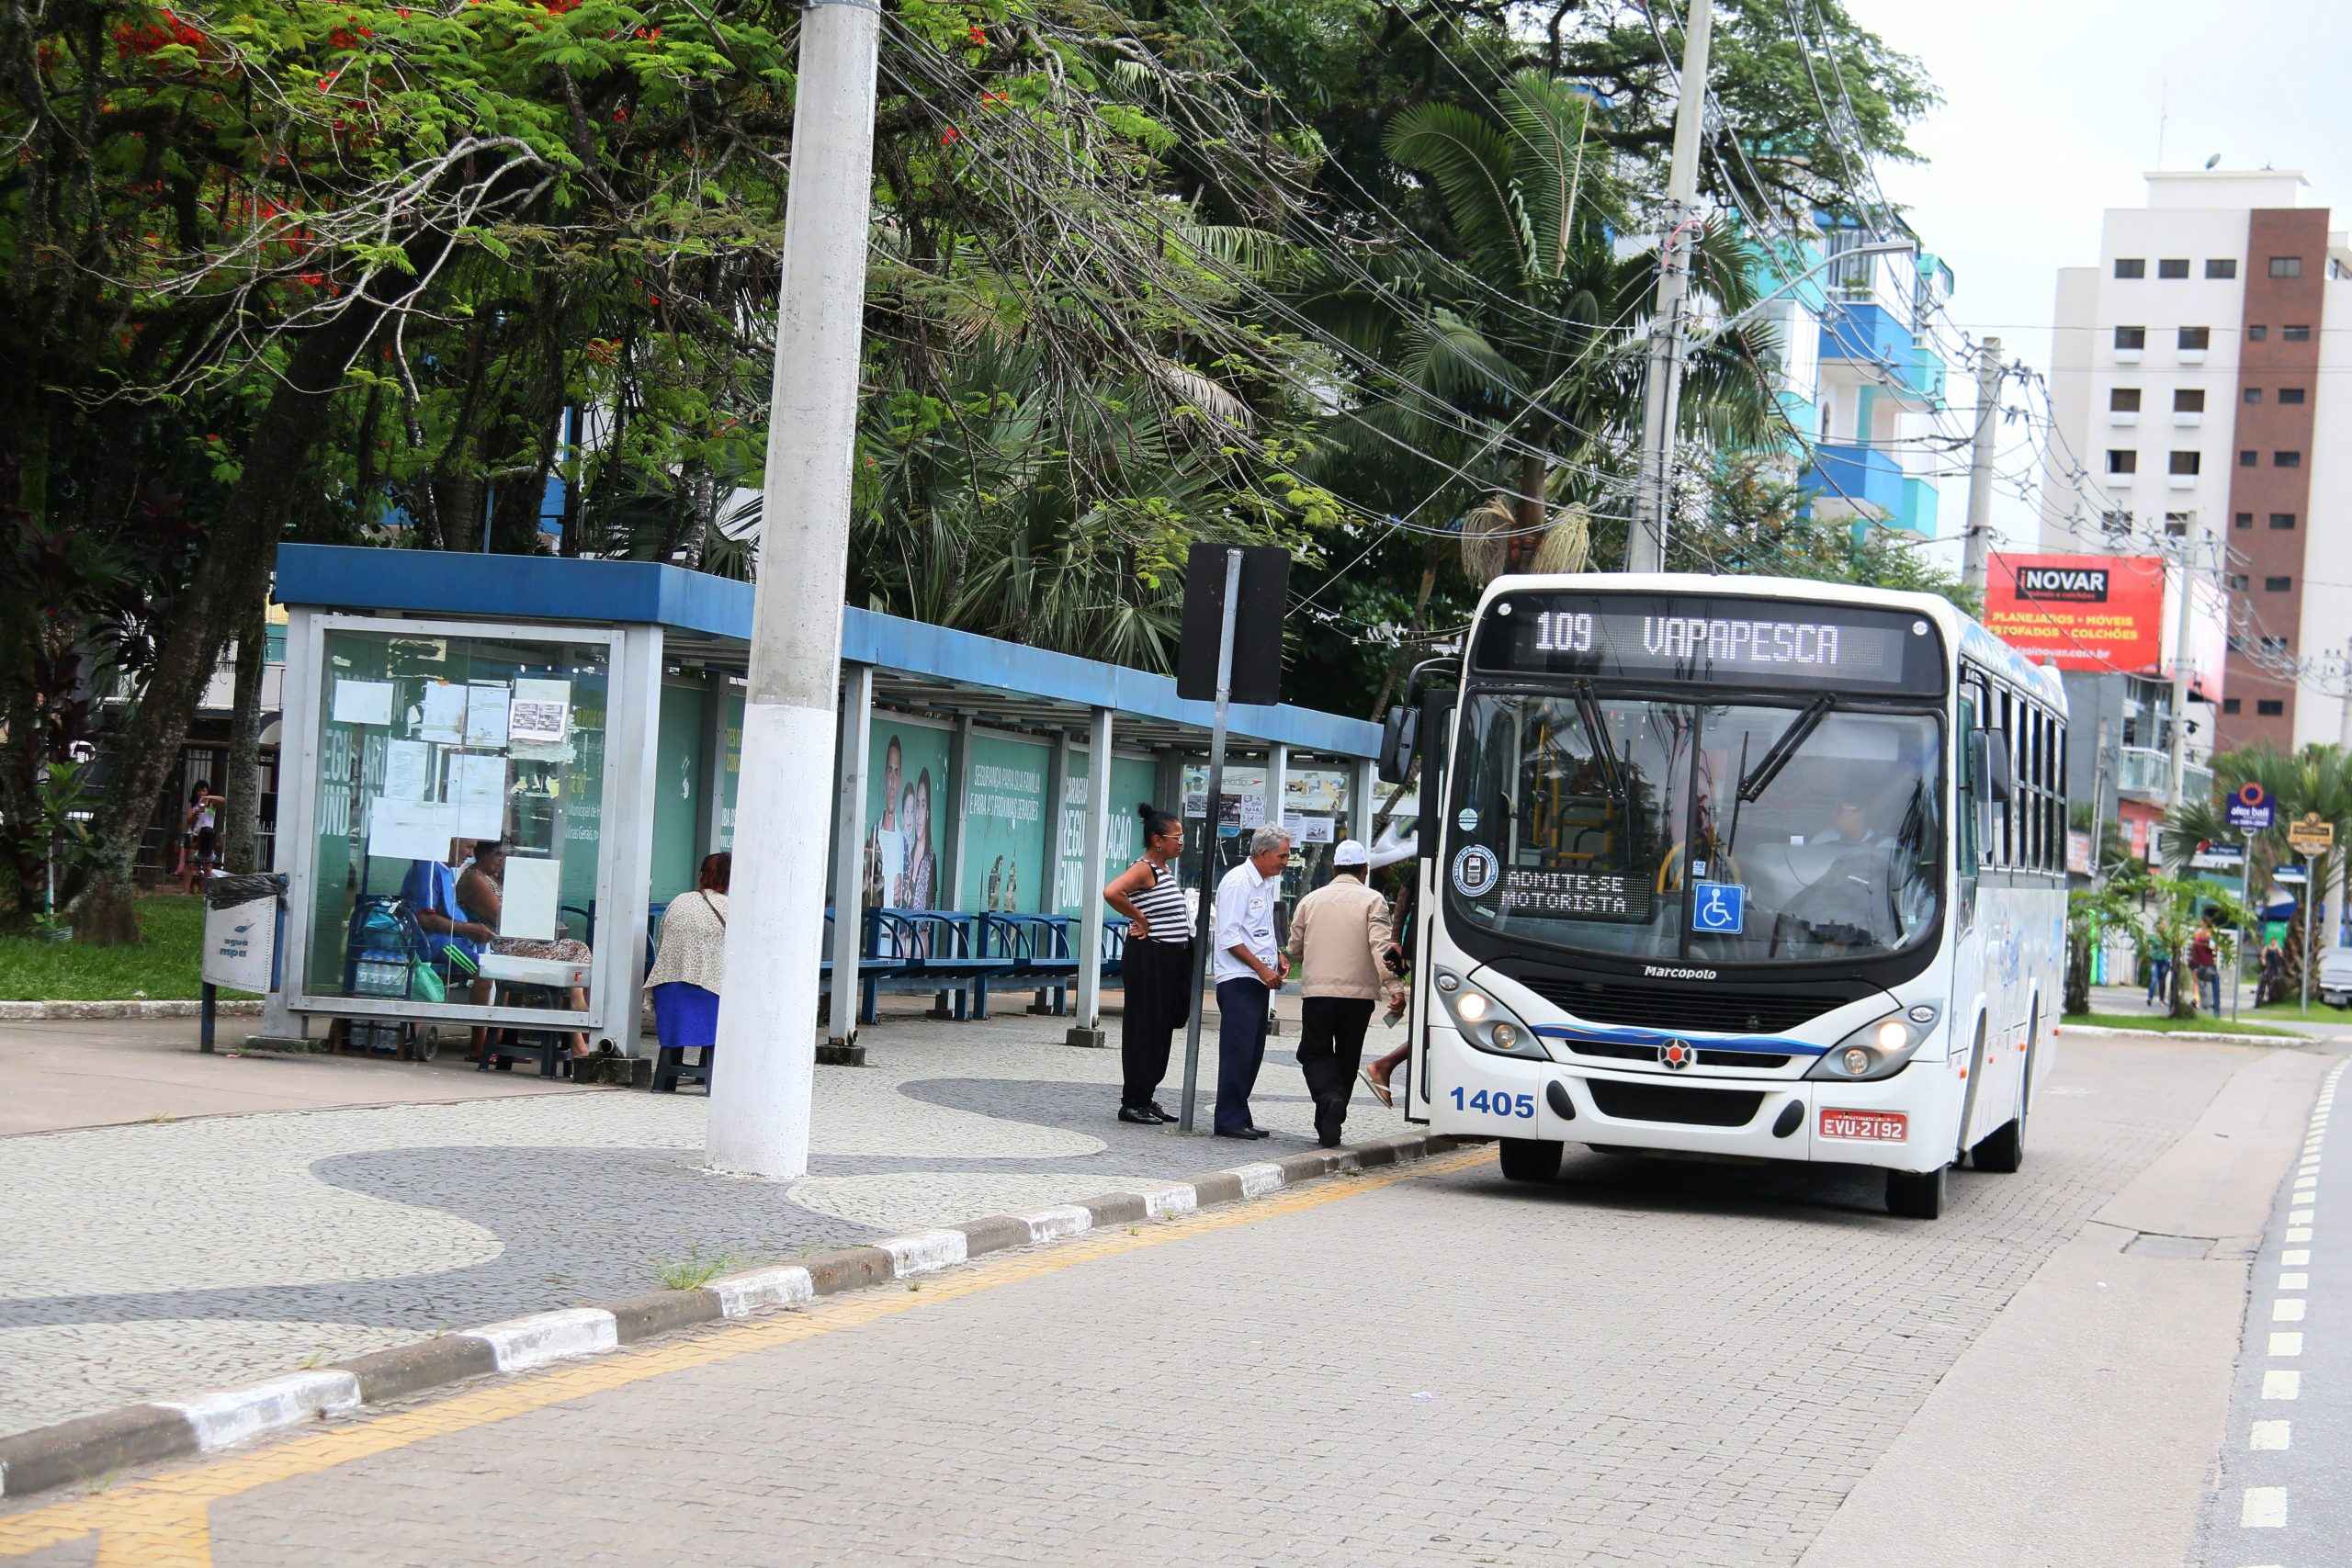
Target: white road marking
x=2300 y=1216
x=2286 y=1342
x=2266 y=1509
x=2288 y=1309
x=2282 y=1385
x=2298 y=1258
x=2267 y=1437
x=2299 y=1232
x=2294 y=1281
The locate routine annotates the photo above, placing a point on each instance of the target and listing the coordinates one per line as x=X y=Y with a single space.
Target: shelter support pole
x=765 y=1067
x=849 y=862
x=1277 y=792
x=1088 y=1031
x=710 y=822
x=959 y=768
x=626 y=841
x=296 y=841
x=1360 y=807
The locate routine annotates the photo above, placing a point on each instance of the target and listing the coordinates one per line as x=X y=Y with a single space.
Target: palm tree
x=1530 y=330
x=2316 y=781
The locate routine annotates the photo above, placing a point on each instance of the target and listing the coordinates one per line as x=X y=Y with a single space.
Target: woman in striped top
x=1157 y=965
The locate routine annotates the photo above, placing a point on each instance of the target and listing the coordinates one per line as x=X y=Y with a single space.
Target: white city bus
x=1746 y=867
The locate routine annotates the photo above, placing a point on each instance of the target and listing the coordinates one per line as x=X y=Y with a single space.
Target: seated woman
x=691 y=964
x=481 y=894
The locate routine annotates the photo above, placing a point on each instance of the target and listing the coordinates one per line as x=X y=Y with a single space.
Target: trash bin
x=241 y=915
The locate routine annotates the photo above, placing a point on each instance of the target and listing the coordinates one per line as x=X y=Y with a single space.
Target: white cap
x=1350 y=851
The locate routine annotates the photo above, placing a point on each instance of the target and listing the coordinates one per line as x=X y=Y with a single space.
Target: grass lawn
x=161 y=968
x=2201 y=1024
x=2319 y=1012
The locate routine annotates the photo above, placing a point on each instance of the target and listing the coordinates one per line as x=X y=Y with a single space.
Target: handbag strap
x=712 y=908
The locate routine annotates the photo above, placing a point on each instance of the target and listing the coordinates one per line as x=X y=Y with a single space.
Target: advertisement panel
x=1133 y=780
x=906 y=802
x=2098 y=613
x=1004 y=825
x=2108 y=614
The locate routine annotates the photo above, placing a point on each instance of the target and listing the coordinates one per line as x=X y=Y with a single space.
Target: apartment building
x=2200 y=373
x=1880 y=381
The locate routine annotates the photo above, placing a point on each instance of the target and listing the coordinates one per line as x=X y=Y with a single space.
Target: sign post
x=1216 y=579
x=2311 y=837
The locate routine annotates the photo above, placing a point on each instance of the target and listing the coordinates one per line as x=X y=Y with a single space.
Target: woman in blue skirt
x=692 y=963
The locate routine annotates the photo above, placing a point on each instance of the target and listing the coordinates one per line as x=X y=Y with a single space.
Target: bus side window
x=1968 y=819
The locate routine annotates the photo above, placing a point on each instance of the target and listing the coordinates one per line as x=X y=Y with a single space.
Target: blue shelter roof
x=715 y=612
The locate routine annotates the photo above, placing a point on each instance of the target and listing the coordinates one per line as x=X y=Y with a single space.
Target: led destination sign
x=1579 y=895
x=1736 y=641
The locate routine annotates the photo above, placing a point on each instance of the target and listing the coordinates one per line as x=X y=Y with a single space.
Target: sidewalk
x=164 y=1259
x=2133 y=1001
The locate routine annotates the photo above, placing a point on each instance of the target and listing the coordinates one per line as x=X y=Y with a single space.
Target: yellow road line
x=161 y=1522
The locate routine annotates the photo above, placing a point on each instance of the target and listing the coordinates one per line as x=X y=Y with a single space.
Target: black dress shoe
x=1160 y=1111
x=1247 y=1132
x=1140 y=1118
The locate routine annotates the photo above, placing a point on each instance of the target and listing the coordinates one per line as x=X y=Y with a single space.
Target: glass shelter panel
x=428 y=745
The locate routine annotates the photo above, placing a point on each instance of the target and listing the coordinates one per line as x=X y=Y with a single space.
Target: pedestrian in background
x=1157 y=966
x=2205 y=967
x=2274 y=975
x=1250 y=970
x=2159 y=970
x=1339 y=941
x=690 y=969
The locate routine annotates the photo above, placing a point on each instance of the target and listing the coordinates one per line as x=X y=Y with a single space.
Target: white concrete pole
x=1976 y=547
x=849 y=851
x=1092 y=910
x=766 y=1060
x=1277 y=779
x=2184 y=620
x=1662 y=398
x=1360 y=807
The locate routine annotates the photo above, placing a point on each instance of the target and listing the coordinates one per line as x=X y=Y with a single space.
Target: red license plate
x=1868 y=1126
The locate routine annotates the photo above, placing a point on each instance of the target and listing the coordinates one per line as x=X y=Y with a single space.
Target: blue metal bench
x=921 y=950
x=1038 y=946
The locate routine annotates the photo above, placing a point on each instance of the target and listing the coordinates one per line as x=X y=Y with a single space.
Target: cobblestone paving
x=1644 y=1365
x=161 y=1261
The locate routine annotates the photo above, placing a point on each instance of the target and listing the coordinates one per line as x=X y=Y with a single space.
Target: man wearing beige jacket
x=1339 y=938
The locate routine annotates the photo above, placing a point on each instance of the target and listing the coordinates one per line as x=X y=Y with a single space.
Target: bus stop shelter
x=589 y=713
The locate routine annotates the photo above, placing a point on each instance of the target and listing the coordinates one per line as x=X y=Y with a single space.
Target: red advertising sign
x=2101 y=612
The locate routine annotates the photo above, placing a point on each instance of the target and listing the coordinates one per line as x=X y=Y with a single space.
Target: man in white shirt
x=1249 y=968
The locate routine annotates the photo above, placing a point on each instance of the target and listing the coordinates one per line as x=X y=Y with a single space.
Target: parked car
x=2336 y=977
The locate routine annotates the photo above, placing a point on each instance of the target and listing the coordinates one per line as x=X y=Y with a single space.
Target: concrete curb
x=85 y=1448
x=59 y=1012
x=2201 y=1037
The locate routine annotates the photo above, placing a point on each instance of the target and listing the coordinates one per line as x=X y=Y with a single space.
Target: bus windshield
x=1726 y=832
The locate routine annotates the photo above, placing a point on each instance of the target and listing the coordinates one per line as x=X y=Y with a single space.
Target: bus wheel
x=1530 y=1159
x=1915 y=1195
x=2004 y=1150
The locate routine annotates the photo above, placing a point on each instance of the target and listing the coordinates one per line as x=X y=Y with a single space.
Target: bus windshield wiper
x=1769 y=769
x=1606 y=754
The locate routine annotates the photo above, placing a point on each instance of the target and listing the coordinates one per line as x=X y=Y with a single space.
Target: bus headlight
x=1879 y=1049
x=1486 y=1022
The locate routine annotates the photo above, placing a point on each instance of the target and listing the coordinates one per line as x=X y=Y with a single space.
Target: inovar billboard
x=2107 y=615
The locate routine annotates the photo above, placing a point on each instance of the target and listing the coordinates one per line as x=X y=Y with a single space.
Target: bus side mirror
x=1398 y=732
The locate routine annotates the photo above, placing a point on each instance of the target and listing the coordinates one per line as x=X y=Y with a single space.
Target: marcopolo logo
x=1668 y=972
x=2064 y=584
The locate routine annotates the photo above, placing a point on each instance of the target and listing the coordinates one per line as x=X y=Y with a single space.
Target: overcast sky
x=2051 y=117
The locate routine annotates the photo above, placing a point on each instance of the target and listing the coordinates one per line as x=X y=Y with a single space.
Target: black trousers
x=1241 y=1009
x=1158 y=977
x=1331 y=1051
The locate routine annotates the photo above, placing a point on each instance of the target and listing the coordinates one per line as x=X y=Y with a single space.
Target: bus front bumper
x=1897 y=1123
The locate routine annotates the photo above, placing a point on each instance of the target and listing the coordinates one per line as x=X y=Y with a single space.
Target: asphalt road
x=1642 y=1363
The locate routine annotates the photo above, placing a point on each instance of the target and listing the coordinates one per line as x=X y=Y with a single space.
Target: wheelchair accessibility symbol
x=1721 y=909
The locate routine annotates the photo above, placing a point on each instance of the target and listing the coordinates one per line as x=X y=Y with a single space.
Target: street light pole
x=2185 y=615
x=766 y=1062
x=1662 y=398
x=1976 y=549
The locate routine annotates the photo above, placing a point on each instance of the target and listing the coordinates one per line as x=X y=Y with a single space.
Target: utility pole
x=759 y=1102
x=2098 y=811
x=1976 y=550
x=2181 y=622
x=1662 y=398
x=2344 y=673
